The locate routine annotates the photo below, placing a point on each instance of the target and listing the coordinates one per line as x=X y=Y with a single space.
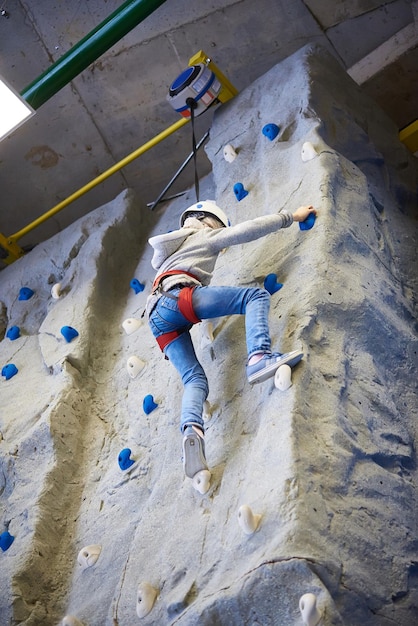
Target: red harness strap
x=161 y=277
x=186 y=308
x=186 y=304
x=164 y=340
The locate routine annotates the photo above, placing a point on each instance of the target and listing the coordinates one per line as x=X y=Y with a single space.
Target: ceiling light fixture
x=14 y=110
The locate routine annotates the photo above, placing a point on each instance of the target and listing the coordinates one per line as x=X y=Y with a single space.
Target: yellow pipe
x=128 y=159
x=227 y=92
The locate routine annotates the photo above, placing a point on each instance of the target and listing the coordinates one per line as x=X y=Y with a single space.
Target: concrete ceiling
x=119 y=102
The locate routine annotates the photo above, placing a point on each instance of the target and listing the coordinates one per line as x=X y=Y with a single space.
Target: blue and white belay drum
x=198 y=83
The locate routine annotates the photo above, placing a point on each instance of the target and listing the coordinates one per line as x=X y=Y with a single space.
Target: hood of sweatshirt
x=165 y=245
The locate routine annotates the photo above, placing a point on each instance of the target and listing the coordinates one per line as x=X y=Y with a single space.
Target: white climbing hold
x=248 y=520
x=70 y=620
x=89 y=555
x=308 y=151
x=130 y=325
x=283 y=377
x=201 y=481
x=134 y=366
x=229 y=153
x=206 y=334
x=56 y=291
x=207 y=411
x=310 y=614
x=145 y=599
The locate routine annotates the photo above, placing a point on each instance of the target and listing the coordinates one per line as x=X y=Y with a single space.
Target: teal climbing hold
x=9 y=370
x=271 y=285
x=124 y=459
x=69 y=333
x=25 y=293
x=13 y=333
x=6 y=540
x=240 y=192
x=136 y=285
x=148 y=404
x=308 y=223
x=271 y=131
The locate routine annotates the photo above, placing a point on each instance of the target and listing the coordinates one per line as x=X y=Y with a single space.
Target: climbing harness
x=185 y=304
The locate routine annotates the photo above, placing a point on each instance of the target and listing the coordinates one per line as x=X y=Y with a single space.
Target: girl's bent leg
x=210 y=302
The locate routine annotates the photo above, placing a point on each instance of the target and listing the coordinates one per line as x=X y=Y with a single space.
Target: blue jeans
x=208 y=302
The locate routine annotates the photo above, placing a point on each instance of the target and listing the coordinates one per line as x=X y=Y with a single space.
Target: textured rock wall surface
x=330 y=463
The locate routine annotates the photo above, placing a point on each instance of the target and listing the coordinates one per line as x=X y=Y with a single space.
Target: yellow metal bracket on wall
x=9 y=244
x=409 y=136
x=228 y=90
x=11 y=247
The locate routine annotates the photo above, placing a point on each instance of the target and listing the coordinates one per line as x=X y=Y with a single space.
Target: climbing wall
x=310 y=517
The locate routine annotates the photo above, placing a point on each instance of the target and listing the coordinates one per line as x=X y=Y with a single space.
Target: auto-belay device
x=192 y=92
x=196 y=83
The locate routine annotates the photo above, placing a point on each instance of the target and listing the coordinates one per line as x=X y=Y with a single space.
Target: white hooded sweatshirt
x=195 y=250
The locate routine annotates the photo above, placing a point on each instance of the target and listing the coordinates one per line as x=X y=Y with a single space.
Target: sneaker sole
x=291 y=359
x=194 y=458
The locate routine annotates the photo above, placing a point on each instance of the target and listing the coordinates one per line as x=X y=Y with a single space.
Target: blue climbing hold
x=13 y=333
x=69 y=333
x=271 y=285
x=240 y=192
x=136 y=285
x=6 y=540
x=148 y=404
x=271 y=131
x=308 y=223
x=124 y=459
x=9 y=370
x=25 y=293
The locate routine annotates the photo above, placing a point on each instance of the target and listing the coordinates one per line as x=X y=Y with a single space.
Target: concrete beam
x=387 y=53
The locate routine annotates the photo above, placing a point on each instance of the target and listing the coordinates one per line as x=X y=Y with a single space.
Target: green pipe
x=90 y=48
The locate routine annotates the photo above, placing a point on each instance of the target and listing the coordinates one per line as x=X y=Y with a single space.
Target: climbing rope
x=192 y=105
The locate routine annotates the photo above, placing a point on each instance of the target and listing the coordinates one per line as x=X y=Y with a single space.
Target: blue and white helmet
x=207 y=206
